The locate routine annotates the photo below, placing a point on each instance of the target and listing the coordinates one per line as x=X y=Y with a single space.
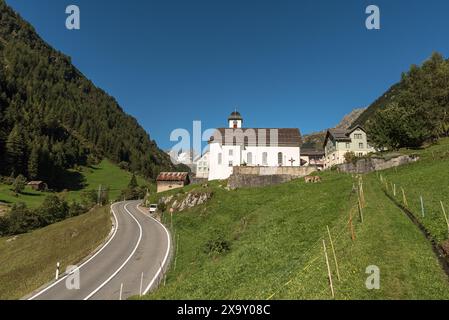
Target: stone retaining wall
x=375 y=164
x=270 y=171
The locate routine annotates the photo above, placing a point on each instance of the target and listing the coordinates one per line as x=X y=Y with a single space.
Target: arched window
x=249 y=157
x=220 y=158
x=264 y=159
x=280 y=158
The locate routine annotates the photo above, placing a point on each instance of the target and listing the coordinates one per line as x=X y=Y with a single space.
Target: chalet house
x=172 y=180
x=38 y=185
x=313 y=157
x=338 y=142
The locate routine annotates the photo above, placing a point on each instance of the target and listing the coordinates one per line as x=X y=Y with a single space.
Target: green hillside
x=413 y=112
x=105 y=174
x=429 y=179
x=52 y=118
x=268 y=242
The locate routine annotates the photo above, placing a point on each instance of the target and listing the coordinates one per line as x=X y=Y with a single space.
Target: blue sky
x=283 y=63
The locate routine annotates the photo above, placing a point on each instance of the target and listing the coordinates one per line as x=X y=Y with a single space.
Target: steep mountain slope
x=52 y=118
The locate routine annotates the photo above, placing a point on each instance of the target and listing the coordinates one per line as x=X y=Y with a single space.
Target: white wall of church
x=222 y=159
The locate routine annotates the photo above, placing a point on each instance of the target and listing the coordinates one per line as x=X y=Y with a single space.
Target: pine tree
x=15 y=151
x=133 y=183
x=33 y=164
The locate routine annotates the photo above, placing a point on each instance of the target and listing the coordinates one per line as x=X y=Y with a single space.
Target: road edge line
x=124 y=263
x=89 y=258
x=167 y=254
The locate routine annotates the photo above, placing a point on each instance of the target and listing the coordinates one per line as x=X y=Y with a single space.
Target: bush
x=4 y=226
x=53 y=209
x=89 y=198
x=350 y=157
x=76 y=209
x=19 y=184
x=218 y=245
x=22 y=220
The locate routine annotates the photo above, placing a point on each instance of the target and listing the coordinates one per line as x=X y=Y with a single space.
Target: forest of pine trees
x=52 y=118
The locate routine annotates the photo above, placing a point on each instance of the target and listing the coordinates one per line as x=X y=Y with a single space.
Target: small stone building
x=172 y=180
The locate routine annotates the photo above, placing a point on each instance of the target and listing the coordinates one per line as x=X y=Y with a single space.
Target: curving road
x=134 y=259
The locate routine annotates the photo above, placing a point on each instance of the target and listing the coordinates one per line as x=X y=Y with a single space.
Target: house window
x=360 y=145
x=231 y=153
x=348 y=145
x=280 y=158
x=250 y=158
x=220 y=158
x=231 y=164
x=265 y=159
x=358 y=136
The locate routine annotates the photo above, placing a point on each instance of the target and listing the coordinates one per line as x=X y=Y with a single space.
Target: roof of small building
x=286 y=137
x=172 y=176
x=34 y=183
x=312 y=152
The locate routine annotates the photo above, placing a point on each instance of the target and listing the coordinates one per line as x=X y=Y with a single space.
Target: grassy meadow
x=274 y=239
x=428 y=178
x=28 y=261
x=105 y=173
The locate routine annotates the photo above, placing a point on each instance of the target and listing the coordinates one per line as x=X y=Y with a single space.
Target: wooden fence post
x=351 y=226
x=445 y=216
x=360 y=212
x=422 y=207
x=328 y=270
x=333 y=252
x=404 y=198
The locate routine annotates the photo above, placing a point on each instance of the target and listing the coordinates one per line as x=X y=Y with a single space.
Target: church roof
x=286 y=137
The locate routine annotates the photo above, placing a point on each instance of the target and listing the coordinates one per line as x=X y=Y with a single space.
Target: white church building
x=253 y=147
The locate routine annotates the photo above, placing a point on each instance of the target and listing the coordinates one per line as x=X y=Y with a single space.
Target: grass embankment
x=428 y=178
x=29 y=260
x=275 y=236
x=106 y=174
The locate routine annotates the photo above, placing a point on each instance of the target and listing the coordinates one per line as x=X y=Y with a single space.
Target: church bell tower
x=235 y=120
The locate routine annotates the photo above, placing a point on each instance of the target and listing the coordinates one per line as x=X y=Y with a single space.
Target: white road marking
x=85 y=262
x=124 y=263
x=166 y=254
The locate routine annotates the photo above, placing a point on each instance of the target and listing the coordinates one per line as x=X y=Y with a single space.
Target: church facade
x=254 y=147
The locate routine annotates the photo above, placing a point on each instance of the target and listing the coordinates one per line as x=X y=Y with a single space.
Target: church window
x=231 y=153
x=220 y=158
x=250 y=158
x=280 y=158
x=231 y=164
x=265 y=159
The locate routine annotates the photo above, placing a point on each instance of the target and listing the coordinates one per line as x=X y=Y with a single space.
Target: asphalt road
x=131 y=261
